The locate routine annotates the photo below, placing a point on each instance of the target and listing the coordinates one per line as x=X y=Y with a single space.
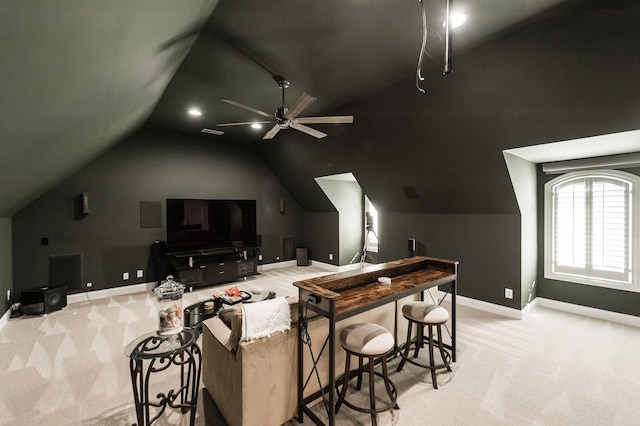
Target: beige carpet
x=554 y=368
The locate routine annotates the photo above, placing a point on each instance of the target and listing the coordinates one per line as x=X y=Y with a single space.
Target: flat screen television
x=196 y=225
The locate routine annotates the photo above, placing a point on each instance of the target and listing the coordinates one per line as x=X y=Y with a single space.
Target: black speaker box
x=302 y=256
x=411 y=244
x=159 y=250
x=43 y=300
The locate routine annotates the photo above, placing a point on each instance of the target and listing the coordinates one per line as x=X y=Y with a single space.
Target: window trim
x=634 y=234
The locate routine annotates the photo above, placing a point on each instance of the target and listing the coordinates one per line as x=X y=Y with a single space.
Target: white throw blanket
x=264 y=318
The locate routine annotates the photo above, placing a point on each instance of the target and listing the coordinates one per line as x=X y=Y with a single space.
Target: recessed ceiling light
x=195 y=112
x=256 y=126
x=457 y=19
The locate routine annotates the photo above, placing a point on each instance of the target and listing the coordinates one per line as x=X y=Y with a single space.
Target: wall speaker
x=150 y=214
x=86 y=202
x=43 y=300
x=82 y=205
x=287 y=251
x=410 y=192
x=411 y=244
x=65 y=270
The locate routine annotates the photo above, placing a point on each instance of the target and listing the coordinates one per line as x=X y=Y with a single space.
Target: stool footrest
x=412 y=360
x=393 y=404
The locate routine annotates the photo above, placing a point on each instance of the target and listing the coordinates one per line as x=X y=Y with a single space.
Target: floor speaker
x=43 y=300
x=302 y=256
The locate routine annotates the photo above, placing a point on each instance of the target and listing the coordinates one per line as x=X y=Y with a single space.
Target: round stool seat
x=373 y=342
x=366 y=339
x=425 y=313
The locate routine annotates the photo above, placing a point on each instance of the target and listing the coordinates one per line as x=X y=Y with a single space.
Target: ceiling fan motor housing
x=280 y=112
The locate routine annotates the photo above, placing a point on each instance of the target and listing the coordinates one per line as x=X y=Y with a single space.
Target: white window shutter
x=589 y=227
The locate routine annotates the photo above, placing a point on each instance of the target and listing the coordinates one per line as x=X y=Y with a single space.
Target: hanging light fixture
x=447 y=39
x=448 y=24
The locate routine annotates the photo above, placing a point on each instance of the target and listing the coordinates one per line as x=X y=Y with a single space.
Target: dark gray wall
x=322 y=235
x=625 y=302
x=6 y=274
x=145 y=167
x=563 y=76
x=487 y=247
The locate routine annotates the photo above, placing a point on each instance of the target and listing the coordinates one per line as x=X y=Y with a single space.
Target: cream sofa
x=257 y=383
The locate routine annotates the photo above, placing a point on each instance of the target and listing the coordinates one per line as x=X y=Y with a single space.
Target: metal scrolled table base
x=182 y=351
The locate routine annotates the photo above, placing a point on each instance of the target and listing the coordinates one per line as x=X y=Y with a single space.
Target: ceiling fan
x=286 y=118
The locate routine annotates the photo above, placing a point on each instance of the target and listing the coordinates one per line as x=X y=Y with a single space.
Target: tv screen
x=194 y=225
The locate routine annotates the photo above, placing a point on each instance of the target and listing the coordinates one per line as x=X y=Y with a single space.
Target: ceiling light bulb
x=195 y=112
x=256 y=126
x=457 y=19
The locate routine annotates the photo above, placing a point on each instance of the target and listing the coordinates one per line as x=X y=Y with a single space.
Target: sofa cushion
x=226 y=315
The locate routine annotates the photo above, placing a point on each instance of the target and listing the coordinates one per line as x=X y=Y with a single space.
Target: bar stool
x=425 y=314
x=373 y=342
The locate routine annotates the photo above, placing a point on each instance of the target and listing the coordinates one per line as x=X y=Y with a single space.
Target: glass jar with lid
x=169 y=298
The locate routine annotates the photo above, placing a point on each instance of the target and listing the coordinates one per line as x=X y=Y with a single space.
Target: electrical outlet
x=259 y=257
x=8 y=295
x=89 y=285
x=330 y=256
x=139 y=273
x=125 y=276
x=277 y=258
x=508 y=293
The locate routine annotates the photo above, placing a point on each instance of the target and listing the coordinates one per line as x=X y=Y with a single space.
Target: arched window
x=591 y=219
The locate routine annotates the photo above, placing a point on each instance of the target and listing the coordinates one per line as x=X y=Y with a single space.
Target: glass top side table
x=153 y=353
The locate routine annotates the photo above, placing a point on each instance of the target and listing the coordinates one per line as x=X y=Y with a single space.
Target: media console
x=211 y=267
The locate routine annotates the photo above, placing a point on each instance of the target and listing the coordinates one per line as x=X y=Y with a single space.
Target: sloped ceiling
x=77 y=76
x=80 y=76
x=336 y=50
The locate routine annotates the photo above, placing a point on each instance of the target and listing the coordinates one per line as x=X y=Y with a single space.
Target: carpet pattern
x=553 y=368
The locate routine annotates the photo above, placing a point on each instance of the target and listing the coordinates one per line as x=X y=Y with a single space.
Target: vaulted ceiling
x=79 y=76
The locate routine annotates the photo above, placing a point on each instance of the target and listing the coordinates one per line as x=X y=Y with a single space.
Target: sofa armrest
x=254 y=384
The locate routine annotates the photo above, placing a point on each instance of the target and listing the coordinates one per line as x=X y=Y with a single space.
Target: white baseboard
x=327 y=266
x=589 y=312
x=551 y=304
x=109 y=292
x=334 y=268
x=488 y=307
x=5 y=319
x=270 y=266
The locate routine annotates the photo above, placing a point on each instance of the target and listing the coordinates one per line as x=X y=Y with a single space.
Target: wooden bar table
x=345 y=294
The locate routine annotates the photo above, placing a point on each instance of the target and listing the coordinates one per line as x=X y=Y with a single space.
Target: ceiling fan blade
x=308 y=130
x=330 y=119
x=212 y=131
x=303 y=101
x=243 y=123
x=271 y=133
x=248 y=108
